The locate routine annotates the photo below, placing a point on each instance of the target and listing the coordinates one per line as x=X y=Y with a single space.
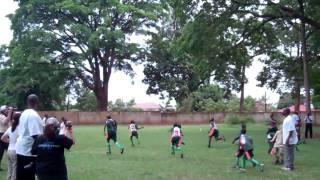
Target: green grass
x=152 y=159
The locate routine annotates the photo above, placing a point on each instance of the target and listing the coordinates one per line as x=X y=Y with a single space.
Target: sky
x=123 y=87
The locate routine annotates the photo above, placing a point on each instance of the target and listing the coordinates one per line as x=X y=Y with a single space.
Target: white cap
x=4 y=107
x=52 y=121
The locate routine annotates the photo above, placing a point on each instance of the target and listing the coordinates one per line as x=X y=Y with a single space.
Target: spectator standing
x=30 y=127
x=10 y=136
x=5 y=116
x=308 y=121
x=290 y=139
x=49 y=151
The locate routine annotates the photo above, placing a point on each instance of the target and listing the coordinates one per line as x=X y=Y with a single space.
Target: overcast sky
x=122 y=86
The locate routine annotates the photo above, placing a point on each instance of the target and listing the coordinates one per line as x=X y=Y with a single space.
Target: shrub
x=237 y=119
x=232 y=119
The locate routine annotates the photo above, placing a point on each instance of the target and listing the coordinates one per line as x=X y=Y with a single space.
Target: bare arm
x=5 y=138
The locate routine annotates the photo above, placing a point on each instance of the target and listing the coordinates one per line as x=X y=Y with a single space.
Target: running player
x=246 y=150
x=133 y=129
x=214 y=132
x=176 y=140
x=111 y=133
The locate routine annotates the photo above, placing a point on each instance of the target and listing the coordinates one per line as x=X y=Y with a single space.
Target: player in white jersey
x=176 y=139
x=214 y=132
x=133 y=130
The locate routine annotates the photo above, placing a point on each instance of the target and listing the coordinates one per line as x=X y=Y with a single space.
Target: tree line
x=62 y=48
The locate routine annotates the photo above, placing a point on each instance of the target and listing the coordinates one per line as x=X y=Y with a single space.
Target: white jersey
x=213 y=125
x=176 y=132
x=133 y=127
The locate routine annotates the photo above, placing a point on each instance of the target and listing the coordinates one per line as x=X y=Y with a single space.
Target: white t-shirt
x=62 y=128
x=176 y=132
x=308 y=119
x=30 y=124
x=295 y=119
x=12 y=138
x=287 y=126
x=132 y=127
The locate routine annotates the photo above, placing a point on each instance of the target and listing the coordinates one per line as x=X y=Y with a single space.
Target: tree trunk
x=305 y=56
x=102 y=99
x=242 y=88
x=297 y=97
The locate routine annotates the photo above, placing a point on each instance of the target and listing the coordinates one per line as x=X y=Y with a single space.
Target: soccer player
x=246 y=150
x=133 y=129
x=176 y=140
x=111 y=133
x=214 y=132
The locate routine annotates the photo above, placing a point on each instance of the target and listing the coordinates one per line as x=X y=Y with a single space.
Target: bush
x=232 y=119
x=237 y=119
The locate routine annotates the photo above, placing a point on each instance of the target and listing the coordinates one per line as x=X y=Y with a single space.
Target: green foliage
x=91 y=37
x=238 y=119
x=211 y=99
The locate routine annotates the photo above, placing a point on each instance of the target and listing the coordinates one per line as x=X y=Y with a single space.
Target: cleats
x=121 y=151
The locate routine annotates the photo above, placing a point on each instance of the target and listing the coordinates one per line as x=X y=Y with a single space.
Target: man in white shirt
x=290 y=139
x=29 y=128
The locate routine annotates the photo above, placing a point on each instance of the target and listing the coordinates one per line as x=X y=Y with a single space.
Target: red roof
x=302 y=108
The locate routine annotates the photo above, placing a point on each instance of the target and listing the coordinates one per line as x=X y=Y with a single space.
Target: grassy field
x=152 y=159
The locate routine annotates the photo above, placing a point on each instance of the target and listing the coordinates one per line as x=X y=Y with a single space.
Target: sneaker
x=286 y=169
x=242 y=169
x=261 y=167
x=121 y=151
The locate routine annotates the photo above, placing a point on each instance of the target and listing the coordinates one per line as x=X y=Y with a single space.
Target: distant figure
x=308 y=120
x=49 y=151
x=133 y=129
x=214 y=132
x=30 y=127
x=297 y=121
x=10 y=136
x=176 y=140
x=63 y=126
x=290 y=139
x=272 y=129
x=110 y=133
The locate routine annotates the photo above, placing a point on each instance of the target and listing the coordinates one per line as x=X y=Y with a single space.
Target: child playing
x=246 y=150
x=272 y=129
x=133 y=129
x=111 y=126
x=214 y=132
x=176 y=140
x=277 y=149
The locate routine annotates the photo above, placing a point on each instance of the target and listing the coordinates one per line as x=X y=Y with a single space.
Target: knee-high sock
x=210 y=139
x=119 y=145
x=238 y=161
x=131 y=140
x=254 y=161
x=173 y=148
x=109 y=147
x=244 y=161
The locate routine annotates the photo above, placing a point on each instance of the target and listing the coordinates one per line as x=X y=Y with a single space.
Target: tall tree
x=92 y=37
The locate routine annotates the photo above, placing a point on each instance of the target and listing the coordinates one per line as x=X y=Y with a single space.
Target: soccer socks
x=119 y=145
x=131 y=141
x=237 y=162
x=109 y=148
x=210 y=139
